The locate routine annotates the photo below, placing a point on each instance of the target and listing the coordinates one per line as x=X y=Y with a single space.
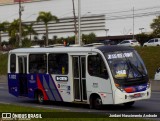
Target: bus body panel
x=100 y=86
x=13 y=84
x=63 y=86
x=46 y=84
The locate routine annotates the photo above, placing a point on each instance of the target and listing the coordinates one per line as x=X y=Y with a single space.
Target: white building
x=123 y=17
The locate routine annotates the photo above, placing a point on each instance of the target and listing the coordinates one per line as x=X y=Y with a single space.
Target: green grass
x=32 y=110
x=150 y=56
x=3 y=64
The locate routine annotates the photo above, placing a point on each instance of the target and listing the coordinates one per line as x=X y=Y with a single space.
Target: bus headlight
x=119 y=87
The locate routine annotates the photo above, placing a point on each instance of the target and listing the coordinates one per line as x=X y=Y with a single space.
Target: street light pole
x=20 y=24
x=141 y=29
x=75 y=23
x=79 y=22
x=133 y=23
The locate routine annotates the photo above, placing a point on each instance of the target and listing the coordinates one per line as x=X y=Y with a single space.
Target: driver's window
x=96 y=66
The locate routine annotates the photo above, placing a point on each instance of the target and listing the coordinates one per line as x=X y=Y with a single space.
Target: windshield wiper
x=135 y=69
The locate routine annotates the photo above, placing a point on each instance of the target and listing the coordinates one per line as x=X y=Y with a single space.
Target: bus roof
x=71 y=49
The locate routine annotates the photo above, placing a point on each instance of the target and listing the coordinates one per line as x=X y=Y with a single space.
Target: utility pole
x=133 y=23
x=141 y=30
x=79 y=22
x=75 y=24
x=20 y=24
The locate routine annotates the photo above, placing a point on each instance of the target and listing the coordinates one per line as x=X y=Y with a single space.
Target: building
x=124 y=17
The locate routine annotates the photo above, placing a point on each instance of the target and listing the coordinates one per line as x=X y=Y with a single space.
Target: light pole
x=75 y=23
x=107 y=30
x=79 y=22
x=133 y=23
x=141 y=29
x=20 y=23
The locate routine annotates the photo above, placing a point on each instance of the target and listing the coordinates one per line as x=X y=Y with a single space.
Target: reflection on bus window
x=96 y=66
x=13 y=63
x=58 y=63
x=126 y=64
x=37 y=63
x=120 y=69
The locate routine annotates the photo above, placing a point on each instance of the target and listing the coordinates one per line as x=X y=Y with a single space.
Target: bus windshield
x=126 y=64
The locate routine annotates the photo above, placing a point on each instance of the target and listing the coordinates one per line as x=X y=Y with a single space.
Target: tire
x=129 y=104
x=40 y=98
x=97 y=103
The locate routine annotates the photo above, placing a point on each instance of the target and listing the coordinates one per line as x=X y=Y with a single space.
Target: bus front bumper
x=123 y=97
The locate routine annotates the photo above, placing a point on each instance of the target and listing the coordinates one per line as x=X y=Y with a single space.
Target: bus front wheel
x=96 y=102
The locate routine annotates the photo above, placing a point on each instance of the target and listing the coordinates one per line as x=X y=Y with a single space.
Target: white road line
x=154 y=92
x=1 y=87
x=51 y=108
x=4 y=103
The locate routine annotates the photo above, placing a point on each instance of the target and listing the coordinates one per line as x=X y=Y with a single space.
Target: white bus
x=92 y=75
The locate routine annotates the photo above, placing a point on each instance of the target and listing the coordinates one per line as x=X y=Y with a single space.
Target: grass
x=31 y=110
x=3 y=64
x=150 y=56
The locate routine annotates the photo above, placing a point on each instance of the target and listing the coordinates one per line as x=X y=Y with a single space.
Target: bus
x=94 y=75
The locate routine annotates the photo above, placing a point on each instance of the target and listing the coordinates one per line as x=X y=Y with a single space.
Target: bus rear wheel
x=40 y=97
x=129 y=104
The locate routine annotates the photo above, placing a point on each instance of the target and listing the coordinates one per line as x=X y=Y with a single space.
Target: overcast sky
x=119 y=13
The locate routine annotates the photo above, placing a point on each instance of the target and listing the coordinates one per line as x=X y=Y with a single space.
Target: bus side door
x=22 y=70
x=79 y=78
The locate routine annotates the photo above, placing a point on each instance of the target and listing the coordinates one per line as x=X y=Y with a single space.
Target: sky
x=119 y=13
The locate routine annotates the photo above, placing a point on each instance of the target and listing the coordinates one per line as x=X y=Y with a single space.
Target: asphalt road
x=151 y=105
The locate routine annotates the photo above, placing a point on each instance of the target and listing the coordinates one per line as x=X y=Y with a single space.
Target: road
x=151 y=105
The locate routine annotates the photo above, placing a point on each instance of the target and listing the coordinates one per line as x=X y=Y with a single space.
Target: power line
x=131 y=16
x=130 y=10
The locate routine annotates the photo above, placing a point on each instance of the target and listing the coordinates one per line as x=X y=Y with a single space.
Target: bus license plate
x=137 y=95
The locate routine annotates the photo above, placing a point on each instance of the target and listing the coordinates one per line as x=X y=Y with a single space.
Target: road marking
x=4 y=103
x=154 y=92
x=51 y=108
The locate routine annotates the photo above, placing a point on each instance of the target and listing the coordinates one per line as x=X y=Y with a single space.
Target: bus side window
x=58 y=63
x=37 y=63
x=12 y=63
x=96 y=66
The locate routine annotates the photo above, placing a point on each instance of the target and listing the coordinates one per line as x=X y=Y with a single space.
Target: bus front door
x=79 y=74
x=22 y=70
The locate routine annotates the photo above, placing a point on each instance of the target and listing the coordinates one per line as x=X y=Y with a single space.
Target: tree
x=46 y=17
x=3 y=28
x=90 y=38
x=142 y=38
x=156 y=26
x=13 y=31
x=30 y=30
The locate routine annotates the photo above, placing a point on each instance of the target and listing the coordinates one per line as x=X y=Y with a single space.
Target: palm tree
x=3 y=28
x=13 y=31
x=46 y=17
x=30 y=30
